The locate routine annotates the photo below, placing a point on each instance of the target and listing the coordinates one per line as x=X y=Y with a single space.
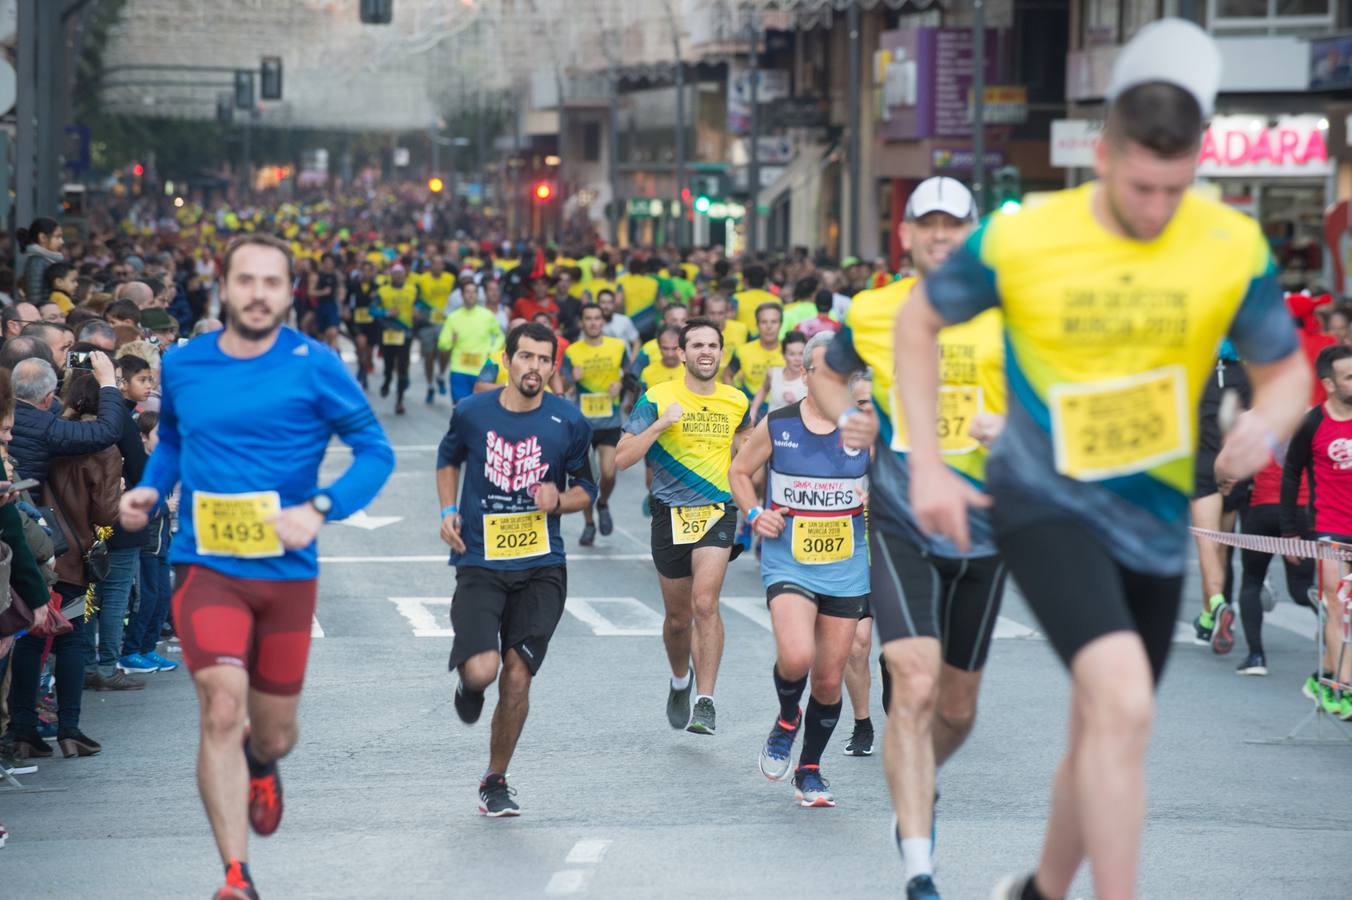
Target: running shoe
x=702 y=719
x=265 y=802
x=921 y=887
x=1203 y=625
x=136 y=663
x=1223 y=636
x=1010 y=887
x=1331 y=700
x=1345 y=708
x=385 y=389
x=1311 y=687
x=588 y=536
x=495 y=798
x=861 y=742
x=811 y=789
x=1254 y=664
x=604 y=520
x=776 y=757
x=1268 y=597
x=161 y=663
x=678 y=705
x=441 y=386
x=236 y=886
x=4 y=835
x=431 y=395
x=468 y=704
x=399 y=409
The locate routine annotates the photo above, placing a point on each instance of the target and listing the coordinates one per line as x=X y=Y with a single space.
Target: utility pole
x=979 y=105
x=753 y=163
x=613 y=152
x=856 y=168
x=680 y=124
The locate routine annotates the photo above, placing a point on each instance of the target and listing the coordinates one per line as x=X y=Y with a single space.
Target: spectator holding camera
x=40 y=435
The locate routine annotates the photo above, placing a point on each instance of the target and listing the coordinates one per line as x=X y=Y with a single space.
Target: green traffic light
x=702 y=204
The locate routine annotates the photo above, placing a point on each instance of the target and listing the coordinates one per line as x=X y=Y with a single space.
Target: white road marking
x=418 y=611
x=315 y=630
x=1295 y=619
x=622 y=617
x=568 y=881
x=751 y=607
x=1006 y=628
x=367 y=522
x=402 y=448
x=586 y=853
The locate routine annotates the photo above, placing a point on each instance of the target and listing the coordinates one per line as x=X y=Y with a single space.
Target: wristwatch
x=323 y=504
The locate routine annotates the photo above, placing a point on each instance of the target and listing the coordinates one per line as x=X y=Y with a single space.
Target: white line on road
x=635 y=619
x=568 y=881
x=442 y=558
x=1006 y=628
x=751 y=607
x=418 y=611
x=587 y=853
x=315 y=630
x=1295 y=619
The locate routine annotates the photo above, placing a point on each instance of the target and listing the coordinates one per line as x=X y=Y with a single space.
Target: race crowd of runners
x=1049 y=395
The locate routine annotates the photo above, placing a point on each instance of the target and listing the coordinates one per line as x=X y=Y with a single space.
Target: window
x=591 y=141
x=1271 y=16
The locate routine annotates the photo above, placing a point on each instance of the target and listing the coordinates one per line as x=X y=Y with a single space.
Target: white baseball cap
x=1174 y=51
x=941 y=194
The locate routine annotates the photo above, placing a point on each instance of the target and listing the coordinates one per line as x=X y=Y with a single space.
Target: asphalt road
x=381 y=792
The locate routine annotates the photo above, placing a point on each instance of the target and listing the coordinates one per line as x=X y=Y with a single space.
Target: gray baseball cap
x=1174 y=51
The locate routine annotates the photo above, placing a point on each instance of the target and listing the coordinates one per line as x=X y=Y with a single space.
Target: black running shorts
x=915 y=594
x=606 y=437
x=504 y=610
x=1078 y=592
x=827 y=604
x=673 y=560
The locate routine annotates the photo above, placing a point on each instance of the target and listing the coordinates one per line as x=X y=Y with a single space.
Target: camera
x=79 y=360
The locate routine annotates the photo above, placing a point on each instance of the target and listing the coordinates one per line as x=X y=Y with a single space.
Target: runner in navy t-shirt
x=524 y=457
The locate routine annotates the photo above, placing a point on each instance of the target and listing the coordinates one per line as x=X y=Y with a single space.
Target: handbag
x=55 y=623
x=97 y=563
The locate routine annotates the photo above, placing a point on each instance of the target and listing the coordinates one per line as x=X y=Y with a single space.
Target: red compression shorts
x=258 y=625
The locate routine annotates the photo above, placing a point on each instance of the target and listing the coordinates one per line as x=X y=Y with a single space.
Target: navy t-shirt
x=503 y=456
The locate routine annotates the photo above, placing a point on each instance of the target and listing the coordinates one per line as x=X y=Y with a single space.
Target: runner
x=362 y=295
x=327 y=296
x=689 y=430
x=752 y=362
x=246 y=416
x=936 y=604
x=858 y=679
x=814 y=564
x=469 y=337
x=1115 y=296
x=523 y=453
x=747 y=303
x=667 y=368
x=397 y=312
x=786 y=384
x=593 y=370
x=434 y=288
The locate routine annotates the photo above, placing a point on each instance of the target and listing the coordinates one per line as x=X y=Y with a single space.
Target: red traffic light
x=138 y=170
x=543 y=191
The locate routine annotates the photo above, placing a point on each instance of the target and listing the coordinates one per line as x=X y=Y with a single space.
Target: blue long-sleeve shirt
x=232 y=426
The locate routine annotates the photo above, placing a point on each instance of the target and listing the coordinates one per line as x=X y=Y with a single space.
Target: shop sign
x=946 y=159
x=1255 y=146
x=1006 y=104
x=1073 y=142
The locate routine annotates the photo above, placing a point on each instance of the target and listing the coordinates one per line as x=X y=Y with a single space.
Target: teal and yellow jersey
x=972 y=381
x=397 y=305
x=1109 y=342
x=436 y=290
x=592 y=370
x=690 y=460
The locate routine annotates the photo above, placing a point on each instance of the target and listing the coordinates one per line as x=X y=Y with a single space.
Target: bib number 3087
x=821 y=541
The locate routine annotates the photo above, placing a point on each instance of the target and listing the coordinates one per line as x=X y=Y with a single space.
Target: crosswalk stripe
x=752 y=608
x=636 y=619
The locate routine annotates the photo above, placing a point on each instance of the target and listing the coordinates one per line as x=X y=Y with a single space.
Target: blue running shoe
x=776 y=755
x=441 y=386
x=921 y=887
x=162 y=664
x=136 y=664
x=811 y=789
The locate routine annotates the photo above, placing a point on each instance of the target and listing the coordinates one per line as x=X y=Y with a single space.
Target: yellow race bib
x=237 y=524
x=516 y=535
x=596 y=406
x=818 y=541
x=393 y=337
x=438 y=316
x=689 y=524
x=958 y=406
x=467 y=360
x=362 y=315
x=1121 y=426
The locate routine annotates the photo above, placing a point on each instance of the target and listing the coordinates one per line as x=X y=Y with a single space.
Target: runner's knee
x=480 y=670
x=274 y=743
x=222 y=714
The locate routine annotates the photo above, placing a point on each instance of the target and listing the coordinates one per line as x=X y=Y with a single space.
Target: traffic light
x=271 y=69
x=435 y=184
x=542 y=192
x=377 y=12
x=244 y=89
x=1006 y=189
x=702 y=204
x=137 y=169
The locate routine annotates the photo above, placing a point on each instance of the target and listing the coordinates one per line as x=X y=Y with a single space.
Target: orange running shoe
x=236 y=886
x=265 y=803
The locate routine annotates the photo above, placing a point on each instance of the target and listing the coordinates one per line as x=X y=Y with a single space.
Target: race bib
x=596 y=406
x=362 y=315
x=516 y=535
x=438 y=316
x=817 y=542
x=689 y=524
x=958 y=405
x=237 y=524
x=393 y=337
x=466 y=360
x=1120 y=426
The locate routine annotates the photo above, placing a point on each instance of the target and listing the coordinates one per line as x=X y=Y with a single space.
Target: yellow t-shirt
x=749 y=301
x=753 y=363
x=640 y=293
x=655 y=373
x=436 y=290
x=690 y=460
x=398 y=302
